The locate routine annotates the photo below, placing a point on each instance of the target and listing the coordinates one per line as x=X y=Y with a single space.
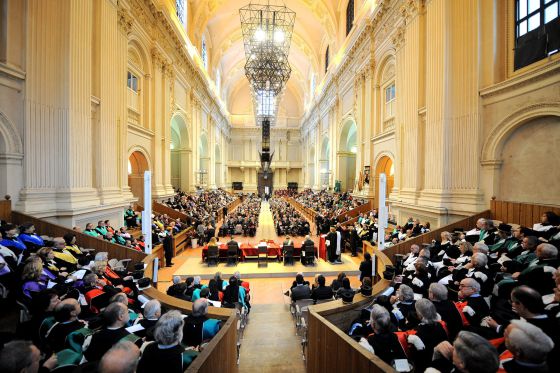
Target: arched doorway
x=384 y=165
x=324 y=164
x=347 y=149
x=11 y=156
x=137 y=164
x=218 y=166
x=203 y=161
x=180 y=154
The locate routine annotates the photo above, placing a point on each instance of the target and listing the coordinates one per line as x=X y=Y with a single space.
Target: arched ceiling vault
x=219 y=19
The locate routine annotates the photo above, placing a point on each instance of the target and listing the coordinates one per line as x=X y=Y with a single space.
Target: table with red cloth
x=247 y=249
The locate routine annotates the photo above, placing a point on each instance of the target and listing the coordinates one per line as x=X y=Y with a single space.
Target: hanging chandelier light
x=267 y=34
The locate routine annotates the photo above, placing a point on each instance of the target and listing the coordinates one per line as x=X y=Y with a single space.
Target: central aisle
x=270 y=343
x=266 y=223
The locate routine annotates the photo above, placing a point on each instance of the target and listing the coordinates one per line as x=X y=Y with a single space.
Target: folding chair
x=302 y=311
x=289 y=254
x=308 y=254
x=263 y=254
x=232 y=253
x=213 y=254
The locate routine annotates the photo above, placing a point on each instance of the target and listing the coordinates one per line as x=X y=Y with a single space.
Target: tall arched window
x=349 y=16
x=327 y=59
x=181 y=8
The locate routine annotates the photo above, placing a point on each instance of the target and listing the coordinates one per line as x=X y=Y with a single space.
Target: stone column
x=58 y=164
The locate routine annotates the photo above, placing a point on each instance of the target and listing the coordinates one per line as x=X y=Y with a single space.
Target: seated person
x=384 y=343
x=66 y=315
x=429 y=333
x=321 y=292
x=116 y=318
x=474 y=307
x=122 y=357
x=345 y=288
x=301 y=290
x=152 y=313
x=198 y=327
x=22 y=356
x=178 y=288
x=528 y=348
x=437 y=293
x=403 y=304
x=166 y=354
x=470 y=353
x=233 y=294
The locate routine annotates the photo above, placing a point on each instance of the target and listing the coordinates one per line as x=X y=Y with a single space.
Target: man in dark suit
x=301 y=290
x=117 y=317
x=331 y=241
x=168 y=247
x=321 y=291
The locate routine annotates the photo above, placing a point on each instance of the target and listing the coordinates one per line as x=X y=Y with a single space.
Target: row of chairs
x=300 y=312
x=307 y=252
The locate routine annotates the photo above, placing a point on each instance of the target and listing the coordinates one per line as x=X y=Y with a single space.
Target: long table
x=250 y=250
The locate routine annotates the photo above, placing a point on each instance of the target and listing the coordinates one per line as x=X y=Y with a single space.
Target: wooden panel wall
x=83 y=240
x=519 y=213
x=5 y=210
x=366 y=207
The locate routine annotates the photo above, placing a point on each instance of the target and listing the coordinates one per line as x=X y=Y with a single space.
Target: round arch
x=346 y=154
x=492 y=148
x=180 y=152
x=384 y=164
x=138 y=162
x=11 y=156
x=517 y=152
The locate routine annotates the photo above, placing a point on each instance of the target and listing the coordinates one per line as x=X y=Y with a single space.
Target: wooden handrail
x=355 y=212
x=404 y=247
x=330 y=348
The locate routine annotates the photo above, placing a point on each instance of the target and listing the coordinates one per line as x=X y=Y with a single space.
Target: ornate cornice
x=125 y=20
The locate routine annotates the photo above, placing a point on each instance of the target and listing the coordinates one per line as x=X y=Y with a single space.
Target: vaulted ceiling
x=317 y=25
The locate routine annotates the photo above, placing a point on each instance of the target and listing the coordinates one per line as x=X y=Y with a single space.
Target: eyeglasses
x=464 y=286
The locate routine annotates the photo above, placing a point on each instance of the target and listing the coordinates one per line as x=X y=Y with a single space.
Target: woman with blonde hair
x=31 y=275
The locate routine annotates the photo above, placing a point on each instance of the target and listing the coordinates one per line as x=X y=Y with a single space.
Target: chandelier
x=267 y=34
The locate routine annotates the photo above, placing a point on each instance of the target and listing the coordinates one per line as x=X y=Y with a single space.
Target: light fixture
x=260 y=35
x=267 y=31
x=278 y=36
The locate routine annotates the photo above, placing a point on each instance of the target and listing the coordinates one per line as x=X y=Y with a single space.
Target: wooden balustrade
x=82 y=239
x=330 y=348
x=404 y=247
x=355 y=212
x=220 y=354
x=308 y=213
